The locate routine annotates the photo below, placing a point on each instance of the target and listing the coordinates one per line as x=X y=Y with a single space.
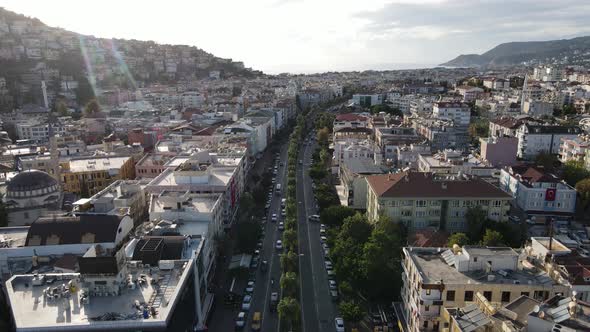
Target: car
x=241 y=320
x=274 y=301
x=330 y=273
x=282 y=163
x=323 y=239
x=300 y=162
x=250 y=287
x=328 y=265
x=332 y=284
x=254 y=263
x=267 y=206
x=257 y=252
x=246 y=302
x=256 y=321
x=322 y=232
x=274 y=217
x=325 y=245
x=283 y=202
x=334 y=295
x=339 y=323
x=275 y=172
x=314 y=218
x=283 y=213
x=279 y=245
x=273 y=181
x=326 y=252
x=281 y=226
x=514 y=219
x=263 y=266
x=322 y=227
x=259 y=245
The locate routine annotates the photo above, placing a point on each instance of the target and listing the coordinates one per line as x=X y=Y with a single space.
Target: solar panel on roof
x=151 y=244
x=449 y=257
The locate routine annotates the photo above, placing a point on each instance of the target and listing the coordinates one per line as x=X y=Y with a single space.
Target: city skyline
x=304 y=37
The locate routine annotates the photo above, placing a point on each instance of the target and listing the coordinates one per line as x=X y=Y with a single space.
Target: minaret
x=44 y=90
x=53 y=149
x=524 y=94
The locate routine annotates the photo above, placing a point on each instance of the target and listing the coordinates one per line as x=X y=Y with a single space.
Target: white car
x=328 y=265
x=281 y=226
x=241 y=320
x=279 y=245
x=250 y=287
x=246 y=302
x=332 y=284
x=339 y=322
x=274 y=217
x=323 y=239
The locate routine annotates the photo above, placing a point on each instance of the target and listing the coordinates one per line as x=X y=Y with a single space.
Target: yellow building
x=89 y=175
x=421 y=200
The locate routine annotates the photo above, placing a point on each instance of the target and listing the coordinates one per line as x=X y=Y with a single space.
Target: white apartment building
x=368 y=100
x=538 y=193
x=458 y=112
x=574 y=149
x=192 y=99
x=37 y=131
x=536 y=108
x=534 y=139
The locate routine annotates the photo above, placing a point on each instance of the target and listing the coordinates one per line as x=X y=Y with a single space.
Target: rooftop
x=34 y=309
x=98 y=163
x=13 y=237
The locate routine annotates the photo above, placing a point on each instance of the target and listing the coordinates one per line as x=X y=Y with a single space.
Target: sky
x=303 y=36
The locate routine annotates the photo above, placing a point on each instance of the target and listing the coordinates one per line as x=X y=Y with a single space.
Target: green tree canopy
x=289 y=284
x=583 y=189
x=323 y=136
x=492 y=238
x=476 y=218
x=459 y=239
x=349 y=242
x=351 y=312
x=248 y=233
x=334 y=215
x=376 y=109
x=574 y=172
x=290 y=239
x=547 y=160
x=290 y=262
x=289 y=310
x=92 y=107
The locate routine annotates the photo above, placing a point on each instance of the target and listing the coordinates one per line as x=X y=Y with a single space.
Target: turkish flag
x=550 y=194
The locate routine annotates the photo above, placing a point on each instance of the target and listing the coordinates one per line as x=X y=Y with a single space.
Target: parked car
x=334 y=295
x=246 y=302
x=241 y=320
x=281 y=226
x=256 y=321
x=279 y=245
x=332 y=284
x=339 y=322
x=274 y=217
x=250 y=287
x=274 y=301
x=328 y=265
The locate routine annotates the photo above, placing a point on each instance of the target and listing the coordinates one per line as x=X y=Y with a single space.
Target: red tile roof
x=419 y=184
x=350 y=117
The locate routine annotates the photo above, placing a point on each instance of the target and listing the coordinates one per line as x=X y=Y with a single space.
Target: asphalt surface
x=318 y=309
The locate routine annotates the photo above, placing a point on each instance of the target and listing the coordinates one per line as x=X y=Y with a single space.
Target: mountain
x=77 y=67
x=575 y=50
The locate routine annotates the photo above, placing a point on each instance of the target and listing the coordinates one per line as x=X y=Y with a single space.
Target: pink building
x=499 y=151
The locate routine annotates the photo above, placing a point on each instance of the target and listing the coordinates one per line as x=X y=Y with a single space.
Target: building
x=87 y=176
x=352 y=174
x=454 y=163
x=38 y=131
x=574 y=149
x=499 y=151
x=422 y=200
x=537 y=108
x=151 y=165
x=31 y=194
x=495 y=83
x=469 y=93
x=435 y=278
x=508 y=126
x=537 y=192
x=350 y=120
x=388 y=139
x=354 y=149
x=459 y=113
x=535 y=139
x=368 y=100
x=560 y=313
x=442 y=134
x=407 y=155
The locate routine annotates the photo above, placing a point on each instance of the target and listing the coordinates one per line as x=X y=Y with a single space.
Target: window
x=425 y=324
x=468 y=296
x=524 y=293
x=451 y=295
x=488 y=295
x=420 y=203
x=428 y=292
x=505 y=296
x=426 y=308
x=475 y=259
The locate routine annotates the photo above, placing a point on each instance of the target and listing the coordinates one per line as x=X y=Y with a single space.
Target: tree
x=323 y=135
x=583 y=189
x=476 y=218
x=91 y=108
x=289 y=310
x=289 y=284
x=351 y=312
x=248 y=233
x=492 y=238
x=349 y=242
x=459 y=239
x=290 y=239
x=289 y=262
x=61 y=108
x=376 y=109
x=334 y=215
x=547 y=160
x=574 y=171
x=479 y=129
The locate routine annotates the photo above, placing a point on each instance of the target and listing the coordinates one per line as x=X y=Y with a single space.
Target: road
x=263 y=286
x=318 y=310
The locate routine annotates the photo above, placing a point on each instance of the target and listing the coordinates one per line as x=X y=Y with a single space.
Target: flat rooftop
x=33 y=311
x=13 y=237
x=217 y=177
x=97 y=163
x=433 y=268
x=197 y=203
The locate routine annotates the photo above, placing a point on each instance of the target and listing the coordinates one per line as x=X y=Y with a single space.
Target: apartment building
x=455 y=163
x=537 y=108
x=421 y=200
x=538 y=192
x=442 y=134
x=353 y=173
x=437 y=278
x=535 y=139
x=87 y=176
x=368 y=100
x=499 y=151
x=574 y=149
x=460 y=113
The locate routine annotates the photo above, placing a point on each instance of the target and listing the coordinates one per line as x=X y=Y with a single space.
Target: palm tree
x=289 y=262
x=290 y=239
x=289 y=284
x=289 y=311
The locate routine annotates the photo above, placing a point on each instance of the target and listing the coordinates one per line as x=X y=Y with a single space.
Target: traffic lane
x=326 y=308
x=306 y=274
x=263 y=286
